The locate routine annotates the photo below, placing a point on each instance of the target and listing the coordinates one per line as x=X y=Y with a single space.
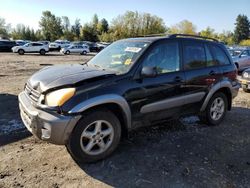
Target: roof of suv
x=159 y=37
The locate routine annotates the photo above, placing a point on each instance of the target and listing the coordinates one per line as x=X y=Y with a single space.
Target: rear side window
x=219 y=55
x=194 y=55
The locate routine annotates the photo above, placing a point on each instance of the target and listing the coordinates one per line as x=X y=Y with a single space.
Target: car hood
x=62 y=75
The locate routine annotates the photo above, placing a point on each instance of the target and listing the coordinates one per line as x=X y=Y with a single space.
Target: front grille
x=32 y=93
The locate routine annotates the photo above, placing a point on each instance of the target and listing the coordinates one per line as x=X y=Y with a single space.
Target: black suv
x=6 y=45
x=131 y=83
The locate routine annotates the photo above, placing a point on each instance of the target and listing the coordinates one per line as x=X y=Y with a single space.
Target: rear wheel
x=67 y=52
x=246 y=90
x=42 y=52
x=215 y=110
x=95 y=136
x=21 y=52
x=84 y=53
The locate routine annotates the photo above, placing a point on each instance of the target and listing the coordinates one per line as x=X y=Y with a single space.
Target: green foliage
x=24 y=33
x=245 y=42
x=76 y=29
x=51 y=26
x=226 y=37
x=208 y=32
x=4 y=28
x=242 y=29
x=133 y=24
x=184 y=27
x=88 y=33
x=130 y=24
x=102 y=26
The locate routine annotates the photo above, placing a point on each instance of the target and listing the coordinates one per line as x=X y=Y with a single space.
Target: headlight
x=59 y=97
x=245 y=75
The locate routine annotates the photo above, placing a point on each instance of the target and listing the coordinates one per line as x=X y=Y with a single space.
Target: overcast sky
x=218 y=14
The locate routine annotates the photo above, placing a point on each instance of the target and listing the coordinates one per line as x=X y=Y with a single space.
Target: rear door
x=201 y=71
x=222 y=59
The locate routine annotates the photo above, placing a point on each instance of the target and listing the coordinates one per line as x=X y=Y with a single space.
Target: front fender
x=104 y=99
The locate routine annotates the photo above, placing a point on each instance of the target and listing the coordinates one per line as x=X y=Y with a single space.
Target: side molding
x=104 y=99
x=172 y=102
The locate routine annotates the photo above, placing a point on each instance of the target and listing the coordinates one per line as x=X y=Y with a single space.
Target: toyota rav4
x=131 y=83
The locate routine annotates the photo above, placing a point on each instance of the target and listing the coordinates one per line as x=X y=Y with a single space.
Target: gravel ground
x=181 y=153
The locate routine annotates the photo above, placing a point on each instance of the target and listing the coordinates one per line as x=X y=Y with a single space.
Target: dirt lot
x=183 y=153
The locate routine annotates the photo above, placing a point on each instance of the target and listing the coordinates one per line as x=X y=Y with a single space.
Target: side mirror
x=148 y=72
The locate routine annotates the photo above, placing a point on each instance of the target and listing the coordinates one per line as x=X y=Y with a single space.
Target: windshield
x=119 y=56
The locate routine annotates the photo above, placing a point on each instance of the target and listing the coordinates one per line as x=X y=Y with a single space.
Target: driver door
x=157 y=98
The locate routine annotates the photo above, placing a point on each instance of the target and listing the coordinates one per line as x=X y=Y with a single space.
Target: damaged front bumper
x=49 y=126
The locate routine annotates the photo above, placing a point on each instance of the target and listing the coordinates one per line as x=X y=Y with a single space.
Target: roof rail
x=192 y=36
x=153 y=35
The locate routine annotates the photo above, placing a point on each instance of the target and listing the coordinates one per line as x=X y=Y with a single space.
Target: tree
x=133 y=24
x=51 y=26
x=95 y=21
x=4 y=28
x=227 y=37
x=208 y=32
x=23 y=32
x=245 y=42
x=76 y=28
x=102 y=26
x=242 y=28
x=65 y=23
x=87 y=33
x=184 y=27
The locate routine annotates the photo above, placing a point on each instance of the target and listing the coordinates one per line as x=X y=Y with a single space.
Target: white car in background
x=77 y=49
x=58 y=45
x=32 y=47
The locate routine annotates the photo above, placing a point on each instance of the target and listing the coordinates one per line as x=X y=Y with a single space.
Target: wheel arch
x=115 y=103
x=224 y=87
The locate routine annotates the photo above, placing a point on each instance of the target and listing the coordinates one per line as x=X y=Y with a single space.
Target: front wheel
x=42 y=52
x=21 y=52
x=215 y=110
x=67 y=52
x=95 y=136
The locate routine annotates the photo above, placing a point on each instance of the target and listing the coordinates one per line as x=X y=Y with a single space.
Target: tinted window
x=219 y=55
x=37 y=44
x=164 y=56
x=245 y=53
x=210 y=60
x=194 y=55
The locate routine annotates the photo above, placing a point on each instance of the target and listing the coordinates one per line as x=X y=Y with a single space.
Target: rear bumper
x=48 y=126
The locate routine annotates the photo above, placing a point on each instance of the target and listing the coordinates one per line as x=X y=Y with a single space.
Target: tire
x=246 y=90
x=208 y=116
x=78 y=142
x=21 y=52
x=67 y=52
x=42 y=52
x=84 y=53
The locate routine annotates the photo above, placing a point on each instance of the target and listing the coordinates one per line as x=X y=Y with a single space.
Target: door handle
x=178 y=79
x=212 y=72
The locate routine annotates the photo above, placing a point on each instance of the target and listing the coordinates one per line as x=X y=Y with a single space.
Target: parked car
x=6 y=45
x=242 y=61
x=130 y=84
x=21 y=42
x=245 y=80
x=33 y=47
x=78 y=49
x=45 y=42
x=58 y=45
